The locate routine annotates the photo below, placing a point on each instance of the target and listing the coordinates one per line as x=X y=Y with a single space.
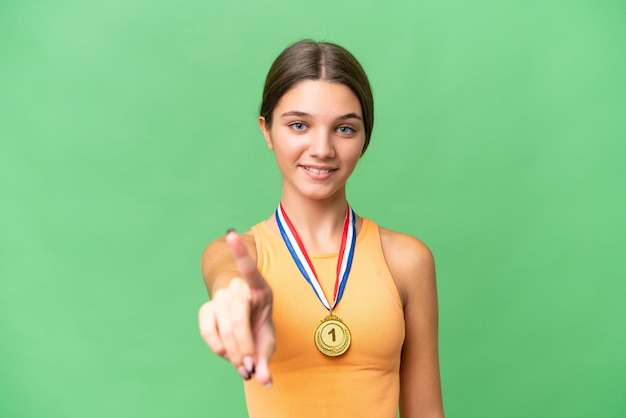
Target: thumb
x=245 y=264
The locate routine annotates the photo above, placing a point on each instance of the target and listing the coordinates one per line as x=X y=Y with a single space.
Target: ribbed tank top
x=363 y=382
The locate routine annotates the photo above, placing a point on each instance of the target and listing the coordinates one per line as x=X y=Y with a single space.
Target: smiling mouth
x=318 y=170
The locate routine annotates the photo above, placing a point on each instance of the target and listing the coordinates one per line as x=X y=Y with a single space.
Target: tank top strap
x=372 y=245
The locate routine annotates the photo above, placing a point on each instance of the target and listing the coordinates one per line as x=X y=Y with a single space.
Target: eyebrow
x=304 y=114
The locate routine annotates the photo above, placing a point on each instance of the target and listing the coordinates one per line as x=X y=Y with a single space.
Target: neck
x=318 y=222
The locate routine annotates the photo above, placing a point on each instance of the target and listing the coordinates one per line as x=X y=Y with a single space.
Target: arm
x=237 y=322
x=412 y=266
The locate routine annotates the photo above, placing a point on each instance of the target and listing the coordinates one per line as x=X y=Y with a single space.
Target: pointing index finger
x=245 y=263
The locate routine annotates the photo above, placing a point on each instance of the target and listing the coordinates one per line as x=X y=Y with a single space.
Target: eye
x=345 y=130
x=298 y=126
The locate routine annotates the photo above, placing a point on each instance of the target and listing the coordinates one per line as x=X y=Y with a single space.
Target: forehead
x=319 y=97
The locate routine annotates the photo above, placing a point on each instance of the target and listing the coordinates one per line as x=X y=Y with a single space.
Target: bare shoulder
x=403 y=250
x=410 y=261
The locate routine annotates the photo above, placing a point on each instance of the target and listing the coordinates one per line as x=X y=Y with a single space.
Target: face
x=317 y=135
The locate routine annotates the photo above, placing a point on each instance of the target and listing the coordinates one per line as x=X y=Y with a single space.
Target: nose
x=321 y=145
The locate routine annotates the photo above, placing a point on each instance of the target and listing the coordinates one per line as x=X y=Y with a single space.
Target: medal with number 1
x=332 y=336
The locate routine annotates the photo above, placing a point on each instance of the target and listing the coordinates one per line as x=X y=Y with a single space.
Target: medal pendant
x=332 y=336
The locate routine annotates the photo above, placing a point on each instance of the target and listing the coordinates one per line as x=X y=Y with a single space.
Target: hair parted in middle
x=310 y=60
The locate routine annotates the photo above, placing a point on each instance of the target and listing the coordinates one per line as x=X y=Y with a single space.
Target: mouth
x=316 y=170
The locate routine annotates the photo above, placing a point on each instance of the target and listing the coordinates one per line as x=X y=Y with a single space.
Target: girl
x=346 y=310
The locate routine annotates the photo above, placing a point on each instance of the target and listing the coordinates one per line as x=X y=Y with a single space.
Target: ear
x=266 y=132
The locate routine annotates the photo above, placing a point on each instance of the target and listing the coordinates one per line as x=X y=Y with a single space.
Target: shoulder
x=403 y=249
x=410 y=262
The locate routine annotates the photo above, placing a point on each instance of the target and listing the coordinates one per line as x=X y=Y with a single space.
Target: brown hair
x=310 y=60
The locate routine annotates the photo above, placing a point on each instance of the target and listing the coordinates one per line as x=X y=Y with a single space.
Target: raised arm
x=412 y=266
x=237 y=322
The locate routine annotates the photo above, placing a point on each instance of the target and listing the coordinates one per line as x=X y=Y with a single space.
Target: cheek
x=288 y=145
x=353 y=151
x=286 y=153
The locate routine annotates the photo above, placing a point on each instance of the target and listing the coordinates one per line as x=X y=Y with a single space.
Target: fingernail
x=268 y=384
x=243 y=372
x=229 y=230
x=249 y=363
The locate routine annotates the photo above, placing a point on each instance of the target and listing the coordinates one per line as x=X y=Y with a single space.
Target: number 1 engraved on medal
x=332 y=336
x=332 y=332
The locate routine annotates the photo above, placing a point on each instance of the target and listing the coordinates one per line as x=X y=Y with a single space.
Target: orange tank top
x=363 y=382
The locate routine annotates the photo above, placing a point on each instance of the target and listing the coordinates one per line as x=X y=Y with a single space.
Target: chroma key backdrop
x=129 y=141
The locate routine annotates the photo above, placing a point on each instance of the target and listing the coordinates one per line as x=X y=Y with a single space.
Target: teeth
x=316 y=171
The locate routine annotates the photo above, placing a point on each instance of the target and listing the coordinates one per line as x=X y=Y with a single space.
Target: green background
x=128 y=141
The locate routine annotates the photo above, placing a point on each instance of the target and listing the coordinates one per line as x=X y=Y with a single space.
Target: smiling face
x=317 y=135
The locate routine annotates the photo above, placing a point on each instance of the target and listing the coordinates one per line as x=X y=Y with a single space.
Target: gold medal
x=332 y=336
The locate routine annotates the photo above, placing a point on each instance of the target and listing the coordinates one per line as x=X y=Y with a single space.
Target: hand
x=237 y=323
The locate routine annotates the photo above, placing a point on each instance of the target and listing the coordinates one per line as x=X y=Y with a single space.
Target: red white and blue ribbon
x=302 y=260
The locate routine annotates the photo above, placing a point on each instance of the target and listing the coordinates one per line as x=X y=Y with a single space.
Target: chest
x=370 y=308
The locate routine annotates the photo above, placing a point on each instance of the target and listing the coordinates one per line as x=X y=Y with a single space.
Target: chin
x=320 y=195
x=315 y=192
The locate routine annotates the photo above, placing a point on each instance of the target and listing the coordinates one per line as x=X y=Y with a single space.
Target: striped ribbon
x=302 y=260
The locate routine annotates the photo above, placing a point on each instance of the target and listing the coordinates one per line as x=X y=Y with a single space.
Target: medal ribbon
x=302 y=260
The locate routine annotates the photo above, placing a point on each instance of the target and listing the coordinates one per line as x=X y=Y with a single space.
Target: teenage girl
x=346 y=310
